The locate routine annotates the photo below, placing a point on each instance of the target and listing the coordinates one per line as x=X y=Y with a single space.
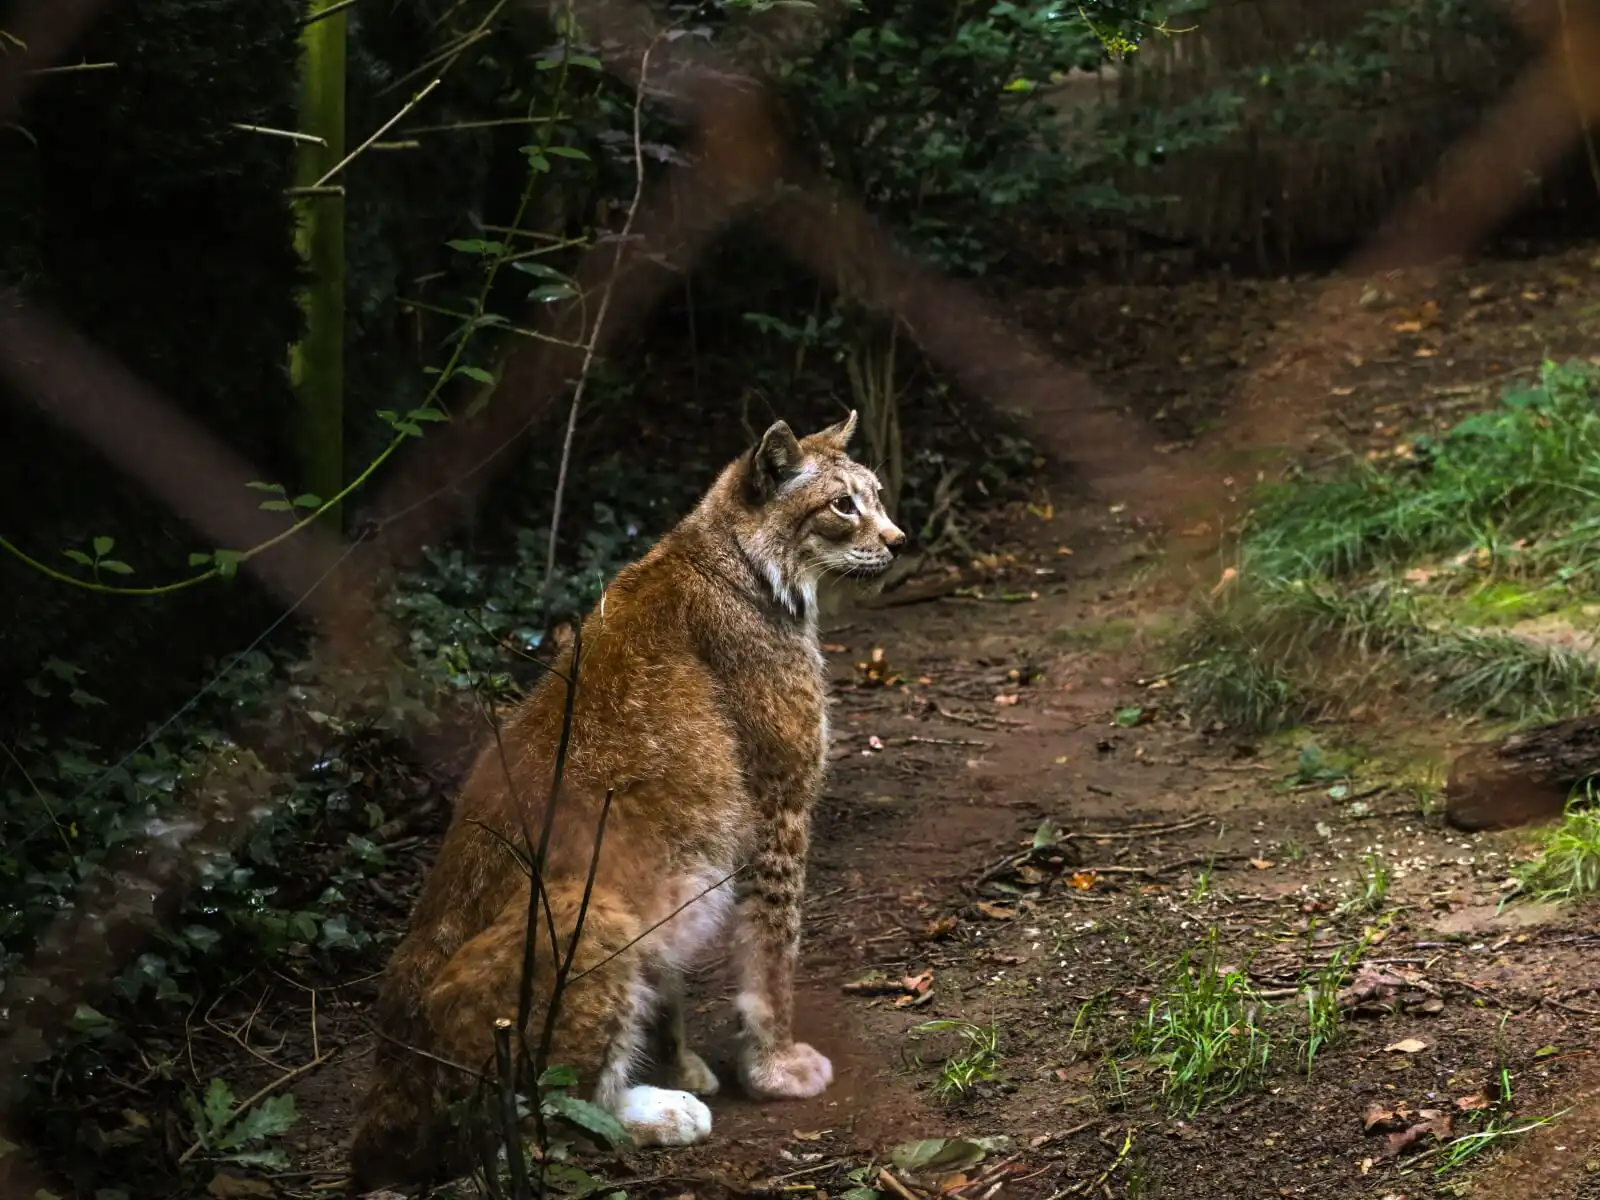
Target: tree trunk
x=1524 y=778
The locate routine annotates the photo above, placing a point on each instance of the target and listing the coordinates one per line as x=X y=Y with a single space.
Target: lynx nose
x=892 y=536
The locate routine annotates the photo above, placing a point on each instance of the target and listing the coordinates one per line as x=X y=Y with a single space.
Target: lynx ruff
x=701 y=705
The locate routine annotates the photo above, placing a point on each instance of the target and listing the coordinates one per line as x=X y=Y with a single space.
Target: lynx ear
x=839 y=435
x=775 y=460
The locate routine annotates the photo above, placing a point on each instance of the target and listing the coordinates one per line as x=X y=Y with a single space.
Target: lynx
x=700 y=705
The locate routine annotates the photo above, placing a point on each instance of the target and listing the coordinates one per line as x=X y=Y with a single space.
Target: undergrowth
x=1409 y=576
x=1566 y=865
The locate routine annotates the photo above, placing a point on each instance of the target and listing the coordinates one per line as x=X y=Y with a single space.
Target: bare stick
x=382 y=129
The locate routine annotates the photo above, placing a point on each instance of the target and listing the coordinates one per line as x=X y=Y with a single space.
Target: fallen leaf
x=1261 y=864
x=996 y=912
x=835 y=648
x=943 y=927
x=804 y=1135
x=1398 y=1143
x=229 y=1186
x=1378 y=1119
x=1007 y=698
x=1407 y=1046
x=1082 y=880
x=1408 y=326
x=1476 y=1102
x=944 y=1154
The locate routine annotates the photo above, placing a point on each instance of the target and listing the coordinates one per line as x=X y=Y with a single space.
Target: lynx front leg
x=767 y=943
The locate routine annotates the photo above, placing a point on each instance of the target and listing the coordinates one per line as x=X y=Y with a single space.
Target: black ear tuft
x=775 y=460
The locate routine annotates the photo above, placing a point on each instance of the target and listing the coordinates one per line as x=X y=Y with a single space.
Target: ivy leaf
x=78 y=556
x=102 y=546
x=277 y=506
x=115 y=567
x=587 y=1116
x=199 y=560
x=265 y=487
x=558 y=1077
x=542 y=270
x=308 y=500
x=227 y=562
x=272 y=1117
x=475 y=373
x=567 y=152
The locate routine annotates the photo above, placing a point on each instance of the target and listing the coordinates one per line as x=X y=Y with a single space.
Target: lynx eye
x=845 y=506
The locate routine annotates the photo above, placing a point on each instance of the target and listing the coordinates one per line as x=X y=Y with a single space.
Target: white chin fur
x=663 y=1117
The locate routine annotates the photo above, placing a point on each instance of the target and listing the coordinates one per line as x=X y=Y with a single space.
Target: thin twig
x=600 y=313
x=382 y=129
x=291 y=134
x=75 y=68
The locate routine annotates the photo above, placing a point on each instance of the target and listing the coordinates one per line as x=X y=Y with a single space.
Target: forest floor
x=1022 y=837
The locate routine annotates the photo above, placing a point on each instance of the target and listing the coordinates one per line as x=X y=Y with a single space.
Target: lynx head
x=811 y=510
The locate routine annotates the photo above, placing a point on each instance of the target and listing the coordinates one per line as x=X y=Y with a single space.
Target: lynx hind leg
x=684 y=1068
x=604 y=1016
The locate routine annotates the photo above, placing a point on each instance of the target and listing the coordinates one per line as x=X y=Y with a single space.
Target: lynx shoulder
x=698 y=732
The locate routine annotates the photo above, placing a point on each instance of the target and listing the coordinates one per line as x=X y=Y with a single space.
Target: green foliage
x=1204 y=1033
x=1527 y=471
x=1329 y=597
x=228 y=1133
x=978 y=1062
x=937 y=114
x=1566 y=865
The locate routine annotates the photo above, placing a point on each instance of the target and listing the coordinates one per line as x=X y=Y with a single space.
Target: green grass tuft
x=1529 y=469
x=1567 y=865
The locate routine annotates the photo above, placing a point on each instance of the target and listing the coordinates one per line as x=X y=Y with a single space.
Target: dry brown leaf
x=1261 y=864
x=1083 y=880
x=1437 y=1127
x=996 y=912
x=1407 y=1046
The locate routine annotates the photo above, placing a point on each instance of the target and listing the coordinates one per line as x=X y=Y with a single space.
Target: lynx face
x=815 y=512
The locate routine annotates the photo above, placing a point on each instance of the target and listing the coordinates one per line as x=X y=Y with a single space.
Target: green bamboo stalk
x=316 y=362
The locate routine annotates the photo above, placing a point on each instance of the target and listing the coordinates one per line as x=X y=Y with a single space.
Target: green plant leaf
x=115 y=566
x=102 y=546
x=271 y=1117
x=475 y=373
x=558 y=1077
x=78 y=556
x=936 y=1154
x=587 y=1116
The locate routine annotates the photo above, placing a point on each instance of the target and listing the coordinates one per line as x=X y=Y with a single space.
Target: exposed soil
x=999 y=715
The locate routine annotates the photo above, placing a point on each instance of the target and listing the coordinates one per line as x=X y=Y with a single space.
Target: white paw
x=793 y=1073
x=660 y=1117
x=694 y=1076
